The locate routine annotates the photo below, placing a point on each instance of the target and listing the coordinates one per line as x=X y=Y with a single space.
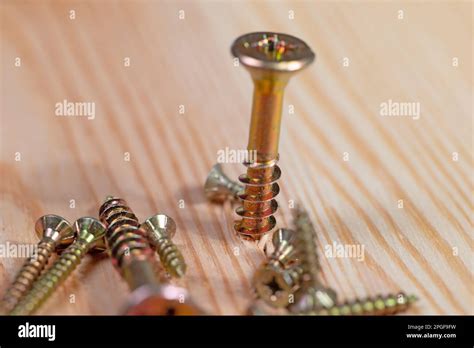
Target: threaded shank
x=28 y=274
x=170 y=256
x=50 y=280
x=380 y=305
x=126 y=240
x=258 y=203
x=306 y=244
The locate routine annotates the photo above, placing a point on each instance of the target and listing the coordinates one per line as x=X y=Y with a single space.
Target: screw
x=90 y=233
x=160 y=229
x=380 y=305
x=279 y=277
x=219 y=187
x=284 y=247
x=54 y=232
x=271 y=59
x=312 y=295
x=134 y=258
x=275 y=285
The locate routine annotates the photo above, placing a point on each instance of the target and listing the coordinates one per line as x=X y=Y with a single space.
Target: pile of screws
x=290 y=277
x=288 y=280
x=131 y=245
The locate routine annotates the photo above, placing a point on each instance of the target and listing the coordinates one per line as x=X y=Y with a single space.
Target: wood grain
x=424 y=248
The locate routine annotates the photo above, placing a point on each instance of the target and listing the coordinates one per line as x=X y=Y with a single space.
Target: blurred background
x=166 y=97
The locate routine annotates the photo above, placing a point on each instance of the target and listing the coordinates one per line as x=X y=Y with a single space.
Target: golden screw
x=160 y=229
x=380 y=305
x=55 y=233
x=90 y=235
x=312 y=295
x=271 y=59
x=134 y=258
x=219 y=187
x=279 y=277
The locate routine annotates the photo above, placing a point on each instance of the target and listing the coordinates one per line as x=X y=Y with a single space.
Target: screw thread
x=52 y=278
x=306 y=244
x=258 y=203
x=380 y=305
x=126 y=240
x=30 y=271
x=170 y=256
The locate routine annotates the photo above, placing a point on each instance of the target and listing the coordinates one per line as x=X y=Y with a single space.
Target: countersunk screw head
x=219 y=187
x=283 y=236
x=159 y=230
x=56 y=228
x=273 y=285
x=160 y=226
x=283 y=241
x=92 y=231
x=272 y=51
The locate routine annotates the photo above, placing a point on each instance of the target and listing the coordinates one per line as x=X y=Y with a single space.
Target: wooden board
x=401 y=186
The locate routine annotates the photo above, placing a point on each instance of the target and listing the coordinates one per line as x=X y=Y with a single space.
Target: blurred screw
x=54 y=232
x=275 y=284
x=219 y=187
x=134 y=258
x=380 y=305
x=284 y=247
x=312 y=295
x=160 y=229
x=90 y=235
x=279 y=277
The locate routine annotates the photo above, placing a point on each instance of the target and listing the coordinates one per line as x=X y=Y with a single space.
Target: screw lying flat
x=55 y=232
x=219 y=187
x=160 y=229
x=271 y=59
x=312 y=295
x=279 y=277
x=380 y=305
x=134 y=258
x=90 y=235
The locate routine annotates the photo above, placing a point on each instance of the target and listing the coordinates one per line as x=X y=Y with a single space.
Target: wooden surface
x=424 y=248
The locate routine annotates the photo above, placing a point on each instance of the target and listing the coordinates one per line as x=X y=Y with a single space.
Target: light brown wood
x=424 y=248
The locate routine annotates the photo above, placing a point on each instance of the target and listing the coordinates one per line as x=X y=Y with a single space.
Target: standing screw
x=135 y=260
x=54 y=232
x=219 y=187
x=312 y=295
x=90 y=233
x=160 y=229
x=380 y=305
x=271 y=59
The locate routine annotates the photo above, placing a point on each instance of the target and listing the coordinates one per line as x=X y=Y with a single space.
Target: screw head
x=93 y=231
x=216 y=186
x=159 y=226
x=272 y=51
x=282 y=235
x=167 y=300
x=273 y=285
x=314 y=299
x=56 y=228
